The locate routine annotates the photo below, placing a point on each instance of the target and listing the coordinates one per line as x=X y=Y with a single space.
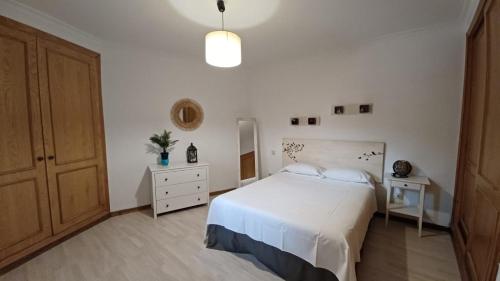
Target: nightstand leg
x=420 y=227
x=421 y=210
x=387 y=204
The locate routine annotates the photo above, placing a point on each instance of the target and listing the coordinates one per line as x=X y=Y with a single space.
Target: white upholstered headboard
x=365 y=155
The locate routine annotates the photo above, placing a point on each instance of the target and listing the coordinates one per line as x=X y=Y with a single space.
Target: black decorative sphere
x=402 y=168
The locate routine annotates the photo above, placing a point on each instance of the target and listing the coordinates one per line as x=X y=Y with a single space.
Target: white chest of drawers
x=177 y=186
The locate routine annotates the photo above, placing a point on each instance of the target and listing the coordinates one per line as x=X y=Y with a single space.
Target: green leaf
x=163 y=140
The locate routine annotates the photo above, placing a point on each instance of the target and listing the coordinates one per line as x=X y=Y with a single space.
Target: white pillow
x=350 y=175
x=303 y=169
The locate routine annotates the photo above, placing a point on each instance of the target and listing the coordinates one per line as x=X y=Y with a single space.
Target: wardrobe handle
x=39 y=158
x=51 y=157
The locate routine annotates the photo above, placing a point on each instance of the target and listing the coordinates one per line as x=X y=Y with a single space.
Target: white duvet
x=322 y=221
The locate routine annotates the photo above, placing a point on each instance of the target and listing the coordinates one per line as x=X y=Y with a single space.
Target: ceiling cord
x=222 y=21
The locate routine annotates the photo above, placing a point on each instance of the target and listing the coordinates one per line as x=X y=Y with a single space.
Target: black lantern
x=192 y=154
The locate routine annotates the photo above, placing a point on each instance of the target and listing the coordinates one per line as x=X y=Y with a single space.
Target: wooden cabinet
x=73 y=130
x=24 y=201
x=52 y=155
x=476 y=220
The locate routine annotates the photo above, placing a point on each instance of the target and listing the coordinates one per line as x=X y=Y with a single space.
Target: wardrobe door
x=24 y=203
x=474 y=126
x=483 y=245
x=73 y=130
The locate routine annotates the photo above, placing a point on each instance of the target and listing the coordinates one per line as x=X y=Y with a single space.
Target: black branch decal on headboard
x=368 y=155
x=291 y=149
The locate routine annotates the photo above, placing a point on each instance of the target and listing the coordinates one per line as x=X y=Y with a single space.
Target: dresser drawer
x=406 y=185
x=175 y=190
x=180 y=202
x=176 y=177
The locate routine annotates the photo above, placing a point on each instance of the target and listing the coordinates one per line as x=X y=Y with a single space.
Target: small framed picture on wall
x=338 y=109
x=312 y=121
x=365 y=108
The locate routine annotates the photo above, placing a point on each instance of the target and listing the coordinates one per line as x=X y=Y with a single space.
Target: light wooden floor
x=135 y=247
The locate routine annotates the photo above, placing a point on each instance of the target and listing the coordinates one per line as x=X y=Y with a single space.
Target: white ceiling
x=270 y=29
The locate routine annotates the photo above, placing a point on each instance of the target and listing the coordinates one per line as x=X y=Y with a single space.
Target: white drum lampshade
x=223 y=49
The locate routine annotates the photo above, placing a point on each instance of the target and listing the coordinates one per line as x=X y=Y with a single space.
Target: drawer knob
x=198 y=199
x=166 y=192
x=405 y=184
x=197 y=175
x=198 y=187
x=39 y=158
x=166 y=179
x=167 y=205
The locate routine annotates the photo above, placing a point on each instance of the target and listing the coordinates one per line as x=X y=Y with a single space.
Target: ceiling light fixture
x=222 y=48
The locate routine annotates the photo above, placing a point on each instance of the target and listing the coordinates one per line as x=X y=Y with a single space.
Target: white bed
x=319 y=220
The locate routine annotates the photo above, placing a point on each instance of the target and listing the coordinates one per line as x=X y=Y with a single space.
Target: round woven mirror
x=187 y=114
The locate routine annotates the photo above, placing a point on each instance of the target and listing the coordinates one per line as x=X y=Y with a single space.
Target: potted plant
x=164 y=141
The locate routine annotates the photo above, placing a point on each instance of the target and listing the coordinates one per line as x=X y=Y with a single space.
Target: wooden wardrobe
x=53 y=178
x=476 y=214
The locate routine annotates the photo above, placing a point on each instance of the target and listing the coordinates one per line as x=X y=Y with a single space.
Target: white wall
x=138 y=88
x=413 y=79
x=470 y=8
x=42 y=21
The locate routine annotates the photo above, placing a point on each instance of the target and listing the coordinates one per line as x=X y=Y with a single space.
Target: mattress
x=321 y=221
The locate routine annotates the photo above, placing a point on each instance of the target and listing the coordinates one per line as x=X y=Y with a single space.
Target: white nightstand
x=415 y=183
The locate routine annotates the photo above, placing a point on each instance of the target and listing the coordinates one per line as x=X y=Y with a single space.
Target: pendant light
x=222 y=48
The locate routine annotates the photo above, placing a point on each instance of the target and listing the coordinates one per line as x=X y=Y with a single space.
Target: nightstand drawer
x=180 y=189
x=406 y=185
x=176 y=177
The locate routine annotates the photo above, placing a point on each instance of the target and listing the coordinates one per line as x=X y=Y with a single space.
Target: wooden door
x=73 y=131
x=485 y=235
x=247 y=165
x=478 y=216
x=24 y=203
x=476 y=98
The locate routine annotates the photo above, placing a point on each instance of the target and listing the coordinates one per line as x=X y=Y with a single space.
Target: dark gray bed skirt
x=285 y=265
